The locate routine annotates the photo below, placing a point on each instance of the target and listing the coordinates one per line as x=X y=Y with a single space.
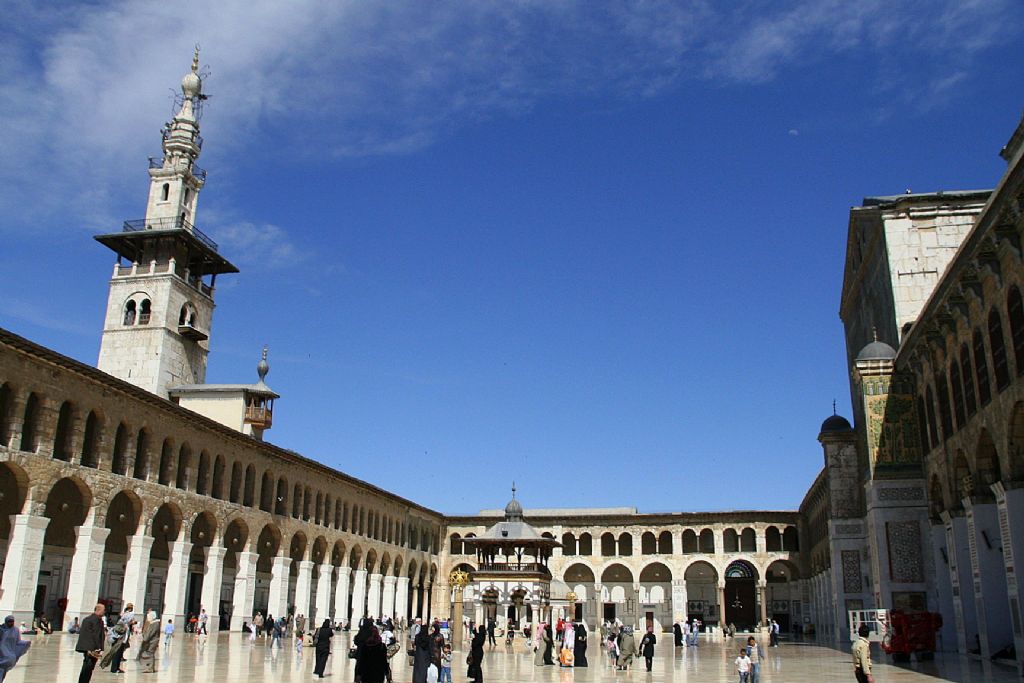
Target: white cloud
x=86 y=89
x=263 y=244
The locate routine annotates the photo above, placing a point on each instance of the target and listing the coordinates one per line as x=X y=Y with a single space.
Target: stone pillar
x=988 y=571
x=427 y=595
x=277 y=603
x=86 y=569
x=136 y=572
x=1010 y=504
x=721 y=604
x=341 y=594
x=416 y=602
x=358 y=595
x=323 y=596
x=943 y=593
x=177 y=585
x=212 y=579
x=21 y=568
x=303 y=588
x=388 y=602
x=373 y=603
x=679 y=600
x=762 y=599
x=960 y=580
x=245 y=590
x=402 y=597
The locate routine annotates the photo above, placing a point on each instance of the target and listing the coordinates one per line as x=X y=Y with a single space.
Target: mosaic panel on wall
x=906 y=564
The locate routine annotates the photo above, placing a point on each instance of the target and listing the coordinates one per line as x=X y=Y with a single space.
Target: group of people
x=622 y=647
x=687 y=633
x=571 y=639
x=431 y=650
x=105 y=645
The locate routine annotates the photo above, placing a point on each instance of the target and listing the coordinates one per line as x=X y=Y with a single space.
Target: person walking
x=579 y=648
x=490 y=633
x=677 y=634
x=90 y=642
x=115 y=653
x=168 y=632
x=862 y=655
x=322 y=647
x=149 y=643
x=774 y=633
x=277 y=632
x=647 y=646
x=257 y=624
x=475 y=672
x=203 y=617
x=372 y=663
x=627 y=648
x=12 y=647
x=756 y=654
x=128 y=621
x=421 y=655
x=743 y=665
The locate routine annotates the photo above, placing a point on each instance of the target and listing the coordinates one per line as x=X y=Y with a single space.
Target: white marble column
x=388 y=600
x=86 y=569
x=136 y=571
x=678 y=602
x=303 y=588
x=277 y=603
x=213 y=576
x=245 y=590
x=21 y=568
x=177 y=585
x=341 y=594
x=960 y=580
x=323 y=596
x=373 y=603
x=988 y=569
x=358 y=595
x=402 y=597
x=416 y=603
x=1011 y=531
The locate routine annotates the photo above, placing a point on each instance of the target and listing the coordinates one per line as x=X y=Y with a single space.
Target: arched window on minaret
x=188 y=195
x=144 y=312
x=129 y=313
x=165 y=192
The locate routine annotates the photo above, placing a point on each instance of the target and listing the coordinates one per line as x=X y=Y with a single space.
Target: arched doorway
x=701 y=592
x=123 y=516
x=782 y=595
x=67 y=506
x=741 y=595
x=580 y=579
x=655 y=597
x=617 y=596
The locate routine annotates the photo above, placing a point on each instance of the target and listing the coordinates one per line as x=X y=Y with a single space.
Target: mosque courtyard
x=231 y=658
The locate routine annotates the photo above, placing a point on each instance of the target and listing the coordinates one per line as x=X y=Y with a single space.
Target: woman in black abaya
x=476 y=656
x=421 y=656
x=322 y=647
x=579 y=649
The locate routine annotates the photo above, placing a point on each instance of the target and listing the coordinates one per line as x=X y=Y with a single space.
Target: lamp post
x=458 y=580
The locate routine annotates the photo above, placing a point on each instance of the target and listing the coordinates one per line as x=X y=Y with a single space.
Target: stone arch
x=568 y=544
x=249 y=495
x=586 y=544
x=371 y=560
x=268 y=544
x=741 y=569
x=648 y=543
x=163 y=476
x=355 y=557
x=297 y=550
x=6 y=413
x=236 y=535
x=30 y=424
x=184 y=474
x=455 y=546
x=14 y=483
x=318 y=553
x=124 y=515
x=140 y=470
x=202 y=536
x=608 y=544
x=748 y=541
x=656 y=572
x=297 y=501
x=217 y=487
x=986 y=464
x=625 y=544
x=730 y=541
x=119 y=456
x=398 y=565
x=385 y=563
x=790 y=539
x=338 y=554
x=281 y=497
x=267 y=492
x=165 y=527
x=616 y=572
x=67 y=506
x=63 y=434
x=579 y=572
x=1015 y=443
x=203 y=474
x=235 y=490
x=962 y=483
x=665 y=543
x=92 y=437
x=706 y=540
x=690 y=544
x=773 y=539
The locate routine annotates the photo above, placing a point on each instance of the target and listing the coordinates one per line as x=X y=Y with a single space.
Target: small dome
x=877 y=350
x=191 y=85
x=513 y=508
x=835 y=423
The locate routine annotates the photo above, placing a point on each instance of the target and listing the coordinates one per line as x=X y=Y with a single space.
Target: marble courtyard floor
x=231 y=658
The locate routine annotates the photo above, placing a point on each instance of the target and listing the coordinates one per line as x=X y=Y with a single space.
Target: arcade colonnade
x=710 y=563
x=108 y=492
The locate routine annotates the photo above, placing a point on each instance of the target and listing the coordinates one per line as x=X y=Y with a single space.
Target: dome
x=513 y=509
x=191 y=85
x=835 y=423
x=877 y=350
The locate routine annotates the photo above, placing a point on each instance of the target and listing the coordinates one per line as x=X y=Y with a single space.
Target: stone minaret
x=160 y=307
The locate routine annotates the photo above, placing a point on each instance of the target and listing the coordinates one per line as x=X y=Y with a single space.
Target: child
x=168 y=632
x=299 y=637
x=743 y=665
x=446 y=665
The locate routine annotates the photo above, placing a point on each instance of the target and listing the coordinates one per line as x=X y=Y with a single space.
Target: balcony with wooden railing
x=260 y=417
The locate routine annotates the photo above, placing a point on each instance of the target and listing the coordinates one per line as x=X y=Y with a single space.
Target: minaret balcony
x=260 y=417
x=189 y=332
x=169 y=223
x=158 y=162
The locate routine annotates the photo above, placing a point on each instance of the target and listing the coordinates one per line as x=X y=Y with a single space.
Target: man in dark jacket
x=647 y=646
x=90 y=642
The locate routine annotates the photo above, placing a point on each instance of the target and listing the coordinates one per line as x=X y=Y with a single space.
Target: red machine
x=911 y=633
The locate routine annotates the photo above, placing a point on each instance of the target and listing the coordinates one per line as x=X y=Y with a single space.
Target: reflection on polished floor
x=231 y=658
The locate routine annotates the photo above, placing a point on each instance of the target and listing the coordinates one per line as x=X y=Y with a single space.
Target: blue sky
x=593 y=247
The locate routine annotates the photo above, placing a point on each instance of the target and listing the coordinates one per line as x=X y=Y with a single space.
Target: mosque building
x=136 y=482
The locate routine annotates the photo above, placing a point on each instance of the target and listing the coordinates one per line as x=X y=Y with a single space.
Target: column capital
x=344 y=571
